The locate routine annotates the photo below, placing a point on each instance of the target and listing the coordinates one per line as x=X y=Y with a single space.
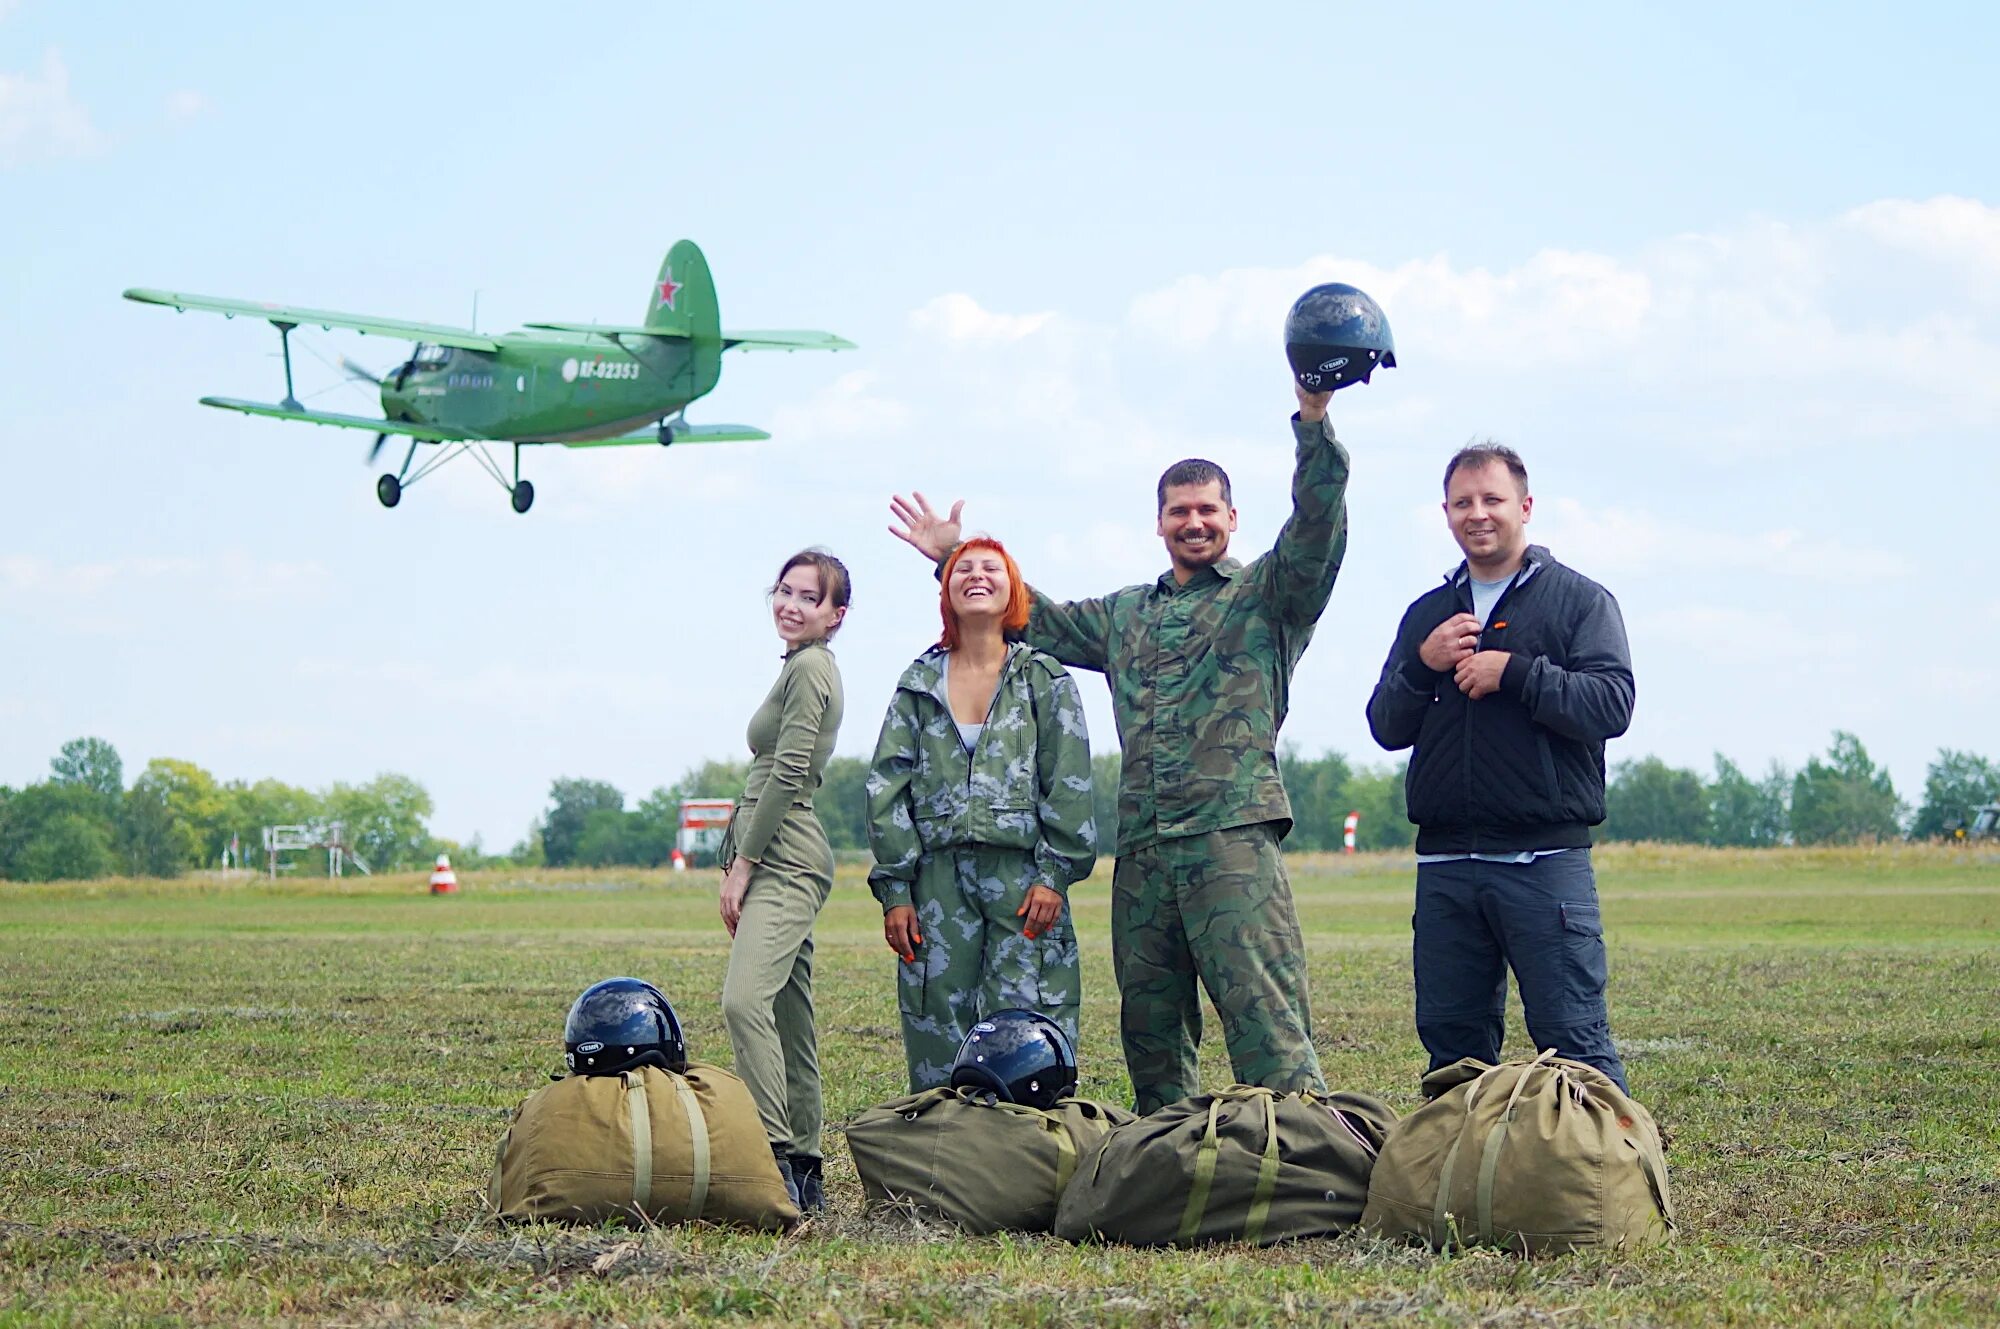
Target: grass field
x=229 y=1102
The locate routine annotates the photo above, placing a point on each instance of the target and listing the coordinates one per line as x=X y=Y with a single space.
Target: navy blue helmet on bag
x=619 y=1024
x=1021 y=1056
x=1336 y=337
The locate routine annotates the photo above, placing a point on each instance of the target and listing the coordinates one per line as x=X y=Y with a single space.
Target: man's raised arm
x=1297 y=575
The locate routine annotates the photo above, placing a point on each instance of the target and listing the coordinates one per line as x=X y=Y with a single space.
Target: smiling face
x=980 y=587
x=799 y=609
x=1488 y=512
x=1195 y=523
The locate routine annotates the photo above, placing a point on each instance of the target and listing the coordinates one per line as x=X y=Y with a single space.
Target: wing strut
x=291 y=402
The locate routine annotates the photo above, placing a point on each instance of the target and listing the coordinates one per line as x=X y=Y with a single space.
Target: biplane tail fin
x=683 y=302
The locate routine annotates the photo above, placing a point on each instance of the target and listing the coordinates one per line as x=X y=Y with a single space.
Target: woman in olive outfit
x=780 y=871
x=979 y=815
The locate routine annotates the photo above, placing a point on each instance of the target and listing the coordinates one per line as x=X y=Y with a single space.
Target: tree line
x=85 y=821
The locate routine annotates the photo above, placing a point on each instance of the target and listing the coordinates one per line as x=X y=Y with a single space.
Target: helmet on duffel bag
x=619 y=1024
x=1336 y=337
x=1021 y=1056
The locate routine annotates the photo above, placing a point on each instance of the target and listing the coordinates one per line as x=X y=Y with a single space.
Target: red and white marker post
x=443 y=880
x=1347 y=835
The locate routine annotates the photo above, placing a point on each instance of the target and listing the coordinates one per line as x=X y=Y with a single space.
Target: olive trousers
x=767 y=994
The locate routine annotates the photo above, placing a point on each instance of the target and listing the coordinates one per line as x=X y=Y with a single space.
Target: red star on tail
x=669 y=288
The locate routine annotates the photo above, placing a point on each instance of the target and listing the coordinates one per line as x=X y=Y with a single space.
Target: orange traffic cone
x=680 y=861
x=443 y=880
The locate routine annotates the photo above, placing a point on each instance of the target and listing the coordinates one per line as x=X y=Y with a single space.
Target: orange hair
x=1016 y=617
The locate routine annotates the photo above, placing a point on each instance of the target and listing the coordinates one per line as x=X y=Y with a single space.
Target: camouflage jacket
x=1024 y=785
x=1201 y=674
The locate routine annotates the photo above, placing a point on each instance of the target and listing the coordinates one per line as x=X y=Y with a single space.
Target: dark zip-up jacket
x=1523 y=768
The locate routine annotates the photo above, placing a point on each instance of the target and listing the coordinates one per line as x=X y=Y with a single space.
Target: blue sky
x=1728 y=278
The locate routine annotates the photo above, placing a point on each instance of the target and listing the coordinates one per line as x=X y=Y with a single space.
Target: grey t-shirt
x=1485 y=594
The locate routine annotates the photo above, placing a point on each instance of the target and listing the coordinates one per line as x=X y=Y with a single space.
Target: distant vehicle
x=582 y=385
x=703 y=821
x=1985 y=824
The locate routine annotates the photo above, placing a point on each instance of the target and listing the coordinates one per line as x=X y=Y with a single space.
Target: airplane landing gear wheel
x=524 y=496
x=666 y=434
x=390 y=490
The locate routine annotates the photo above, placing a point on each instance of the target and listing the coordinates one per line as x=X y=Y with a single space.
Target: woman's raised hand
x=931 y=535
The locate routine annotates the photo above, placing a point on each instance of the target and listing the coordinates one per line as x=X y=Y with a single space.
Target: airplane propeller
x=356 y=371
x=376 y=451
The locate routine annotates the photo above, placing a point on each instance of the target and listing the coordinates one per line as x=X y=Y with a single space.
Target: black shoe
x=785 y=1171
x=808 y=1172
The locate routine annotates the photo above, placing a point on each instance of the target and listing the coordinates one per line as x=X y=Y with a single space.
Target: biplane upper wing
x=401 y=329
x=683 y=433
x=428 y=433
x=749 y=341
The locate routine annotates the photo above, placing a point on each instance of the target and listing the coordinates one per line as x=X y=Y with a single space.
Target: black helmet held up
x=621 y=1023
x=1336 y=337
x=1022 y=1056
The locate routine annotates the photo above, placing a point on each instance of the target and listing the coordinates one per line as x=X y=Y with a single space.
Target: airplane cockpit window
x=426 y=358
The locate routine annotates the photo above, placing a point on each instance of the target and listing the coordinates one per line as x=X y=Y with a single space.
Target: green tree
x=652 y=828
x=570 y=804
x=55 y=830
x=384 y=820
x=173 y=818
x=72 y=847
x=1316 y=787
x=1650 y=800
x=249 y=808
x=1844 y=798
x=1105 y=768
x=92 y=763
x=842 y=803
x=1377 y=793
x=1955 y=784
x=604 y=841
x=1748 y=813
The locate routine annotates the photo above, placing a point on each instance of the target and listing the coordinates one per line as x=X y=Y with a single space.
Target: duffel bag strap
x=1204 y=1177
x=1489 y=1161
x=697 y=1147
x=1267 y=1174
x=1658 y=1181
x=1065 y=1153
x=641 y=1114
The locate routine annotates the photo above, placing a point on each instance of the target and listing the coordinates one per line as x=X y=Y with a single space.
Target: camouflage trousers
x=1217 y=908
x=975 y=960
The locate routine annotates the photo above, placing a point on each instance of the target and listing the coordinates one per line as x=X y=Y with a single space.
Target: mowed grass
x=256 y=1101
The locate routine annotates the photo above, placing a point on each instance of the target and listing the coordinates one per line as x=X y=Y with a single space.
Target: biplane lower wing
x=428 y=433
x=683 y=433
x=401 y=329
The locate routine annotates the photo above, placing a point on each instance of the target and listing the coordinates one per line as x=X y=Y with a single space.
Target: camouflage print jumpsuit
x=1200 y=679
x=962 y=834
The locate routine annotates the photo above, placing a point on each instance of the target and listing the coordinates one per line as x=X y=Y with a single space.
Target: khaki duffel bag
x=1542 y=1155
x=673 y=1148
x=964 y=1156
x=1246 y=1164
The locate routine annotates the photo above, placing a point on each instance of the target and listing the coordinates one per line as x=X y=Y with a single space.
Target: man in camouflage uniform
x=1200 y=665
x=960 y=834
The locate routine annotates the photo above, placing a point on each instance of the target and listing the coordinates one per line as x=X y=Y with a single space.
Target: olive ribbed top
x=791 y=737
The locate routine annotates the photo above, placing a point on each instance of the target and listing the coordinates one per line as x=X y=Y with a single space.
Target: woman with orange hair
x=979 y=815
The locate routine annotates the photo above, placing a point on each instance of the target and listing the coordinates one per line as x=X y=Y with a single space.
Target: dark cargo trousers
x=1474 y=920
x=1215 y=908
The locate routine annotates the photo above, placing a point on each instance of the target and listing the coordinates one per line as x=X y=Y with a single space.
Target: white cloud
x=960 y=318
x=1947 y=229
x=1743 y=639
x=40 y=119
x=848 y=407
x=185 y=104
x=235 y=575
x=1619 y=540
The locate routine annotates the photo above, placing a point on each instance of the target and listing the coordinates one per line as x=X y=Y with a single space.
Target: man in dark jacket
x=1507 y=680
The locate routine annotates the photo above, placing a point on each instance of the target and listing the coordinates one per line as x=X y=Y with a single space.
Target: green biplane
x=582 y=385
